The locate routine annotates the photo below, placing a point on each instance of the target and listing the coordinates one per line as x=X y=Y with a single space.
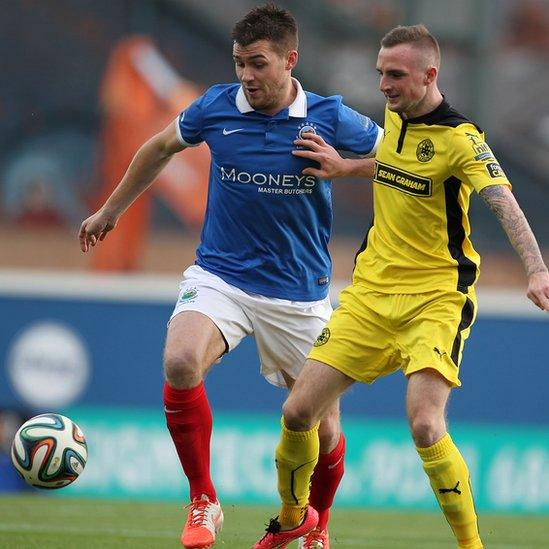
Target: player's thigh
x=427 y=394
x=315 y=395
x=209 y=319
x=436 y=328
x=358 y=340
x=426 y=398
x=284 y=333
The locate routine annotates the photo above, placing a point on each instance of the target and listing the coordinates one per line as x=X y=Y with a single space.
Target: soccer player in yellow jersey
x=412 y=301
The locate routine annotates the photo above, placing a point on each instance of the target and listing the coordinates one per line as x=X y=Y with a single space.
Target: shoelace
x=198 y=512
x=272 y=528
x=316 y=537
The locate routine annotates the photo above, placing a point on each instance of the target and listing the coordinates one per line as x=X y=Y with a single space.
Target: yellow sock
x=449 y=478
x=296 y=457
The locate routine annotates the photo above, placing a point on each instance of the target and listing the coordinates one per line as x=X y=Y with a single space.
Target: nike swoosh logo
x=228 y=132
x=335 y=464
x=168 y=411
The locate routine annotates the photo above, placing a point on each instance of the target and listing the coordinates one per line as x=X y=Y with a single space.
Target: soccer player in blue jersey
x=262 y=266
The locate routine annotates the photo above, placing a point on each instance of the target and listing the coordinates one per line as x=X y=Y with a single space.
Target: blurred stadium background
x=84 y=83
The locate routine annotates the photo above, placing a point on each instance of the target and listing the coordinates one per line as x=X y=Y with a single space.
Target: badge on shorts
x=323 y=338
x=189 y=294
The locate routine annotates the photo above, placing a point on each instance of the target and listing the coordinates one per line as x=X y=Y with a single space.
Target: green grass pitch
x=39 y=521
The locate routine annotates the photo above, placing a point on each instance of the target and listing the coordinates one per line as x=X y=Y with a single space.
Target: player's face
x=265 y=74
x=403 y=78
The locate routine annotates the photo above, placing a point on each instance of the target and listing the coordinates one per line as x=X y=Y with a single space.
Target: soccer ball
x=49 y=451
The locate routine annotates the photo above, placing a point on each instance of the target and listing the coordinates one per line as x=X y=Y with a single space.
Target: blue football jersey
x=267 y=225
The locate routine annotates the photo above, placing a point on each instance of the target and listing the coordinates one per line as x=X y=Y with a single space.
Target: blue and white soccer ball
x=49 y=451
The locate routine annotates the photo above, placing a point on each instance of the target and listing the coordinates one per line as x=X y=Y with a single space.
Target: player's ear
x=430 y=75
x=291 y=60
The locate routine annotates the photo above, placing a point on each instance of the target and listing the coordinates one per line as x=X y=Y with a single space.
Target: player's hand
x=95 y=228
x=538 y=289
x=332 y=165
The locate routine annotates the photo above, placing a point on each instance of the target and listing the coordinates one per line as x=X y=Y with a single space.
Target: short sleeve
x=356 y=133
x=189 y=124
x=471 y=159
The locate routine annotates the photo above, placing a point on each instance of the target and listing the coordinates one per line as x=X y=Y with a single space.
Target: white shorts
x=284 y=330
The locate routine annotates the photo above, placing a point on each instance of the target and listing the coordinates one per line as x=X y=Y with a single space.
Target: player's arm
x=147 y=163
x=502 y=202
x=332 y=164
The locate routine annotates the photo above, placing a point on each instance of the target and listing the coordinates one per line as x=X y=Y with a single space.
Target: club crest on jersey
x=306 y=127
x=323 y=338
x=425 y=150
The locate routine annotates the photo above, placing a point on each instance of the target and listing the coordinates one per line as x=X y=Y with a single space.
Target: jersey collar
x=298 y=109
x=437 y=114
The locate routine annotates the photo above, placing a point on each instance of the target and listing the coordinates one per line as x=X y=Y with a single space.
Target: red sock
x=325 y=481
x=189 y=420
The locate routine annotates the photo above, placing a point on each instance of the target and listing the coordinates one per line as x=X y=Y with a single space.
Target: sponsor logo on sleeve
x=480 y=148
x=484 y=156
x=494 y=169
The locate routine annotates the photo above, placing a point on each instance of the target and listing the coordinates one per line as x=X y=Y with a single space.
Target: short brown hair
x=417 y=35
x=268 y=22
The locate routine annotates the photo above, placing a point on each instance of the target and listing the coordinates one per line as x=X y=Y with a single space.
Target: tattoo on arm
x=501 y=201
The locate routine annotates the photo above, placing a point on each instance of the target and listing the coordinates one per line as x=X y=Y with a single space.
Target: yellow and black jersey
x=426 y=169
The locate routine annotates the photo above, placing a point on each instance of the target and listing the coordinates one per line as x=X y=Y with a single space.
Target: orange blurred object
x=140 y=94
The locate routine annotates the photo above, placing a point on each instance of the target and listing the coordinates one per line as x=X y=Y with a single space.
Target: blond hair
x=416 y=35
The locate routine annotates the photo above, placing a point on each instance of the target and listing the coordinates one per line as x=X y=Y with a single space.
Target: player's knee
x=427 y=429
x=183 y=369
x=297 y=415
